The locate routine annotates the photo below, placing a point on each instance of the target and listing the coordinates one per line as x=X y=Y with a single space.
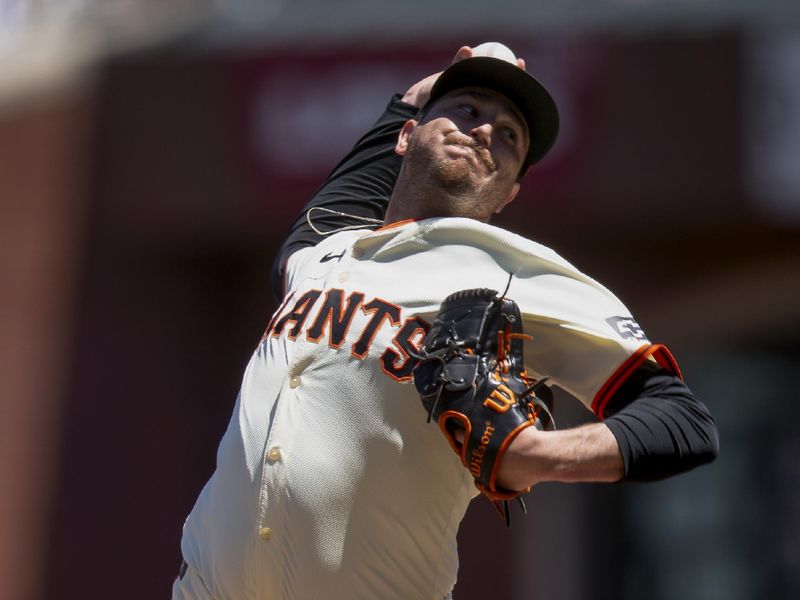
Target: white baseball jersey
x=329 y=483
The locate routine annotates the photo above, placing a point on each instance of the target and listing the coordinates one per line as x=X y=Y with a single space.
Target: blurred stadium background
x=153 y=153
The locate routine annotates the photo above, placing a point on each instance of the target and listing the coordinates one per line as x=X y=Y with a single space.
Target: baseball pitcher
x=408 y=367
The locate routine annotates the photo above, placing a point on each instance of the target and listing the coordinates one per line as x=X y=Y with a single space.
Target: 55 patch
x=627 y=327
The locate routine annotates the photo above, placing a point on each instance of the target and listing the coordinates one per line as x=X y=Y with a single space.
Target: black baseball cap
x=528 y=95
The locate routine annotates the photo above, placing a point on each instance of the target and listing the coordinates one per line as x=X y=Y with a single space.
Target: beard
x=443 y=183
x=455 y=176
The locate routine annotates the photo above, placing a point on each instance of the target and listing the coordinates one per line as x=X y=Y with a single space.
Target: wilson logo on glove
x=501 y=399
x=477 y=454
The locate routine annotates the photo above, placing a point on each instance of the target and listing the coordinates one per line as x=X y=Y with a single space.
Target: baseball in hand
x=495 y=50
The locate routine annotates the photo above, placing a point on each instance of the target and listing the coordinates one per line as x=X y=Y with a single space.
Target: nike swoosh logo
x=330 y=256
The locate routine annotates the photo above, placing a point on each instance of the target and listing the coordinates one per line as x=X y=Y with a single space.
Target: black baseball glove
x=471 y=379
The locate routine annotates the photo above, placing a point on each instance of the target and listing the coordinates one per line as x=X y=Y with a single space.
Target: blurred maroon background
x=141 y=214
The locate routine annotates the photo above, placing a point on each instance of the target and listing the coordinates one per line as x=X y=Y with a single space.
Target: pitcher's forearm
x=586 y=453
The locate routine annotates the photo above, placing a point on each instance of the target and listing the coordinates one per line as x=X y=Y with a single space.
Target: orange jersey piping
x=661 y=355
x=393 y=225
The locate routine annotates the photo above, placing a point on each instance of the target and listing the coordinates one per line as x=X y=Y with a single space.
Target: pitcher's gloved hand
x=472 y=381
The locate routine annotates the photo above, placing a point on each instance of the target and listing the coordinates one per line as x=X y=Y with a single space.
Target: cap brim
x=528 y=95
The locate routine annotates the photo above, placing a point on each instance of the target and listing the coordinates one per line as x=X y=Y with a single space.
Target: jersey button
x=274 y=454
x=265 y=533
x=295 y=382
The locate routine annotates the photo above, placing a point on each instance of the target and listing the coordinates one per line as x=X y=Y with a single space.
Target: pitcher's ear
x=401 y=146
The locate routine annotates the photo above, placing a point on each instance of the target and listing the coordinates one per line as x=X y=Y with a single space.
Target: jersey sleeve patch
x=627 y=328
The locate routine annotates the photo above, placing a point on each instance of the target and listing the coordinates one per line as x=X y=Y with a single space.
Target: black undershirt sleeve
x=359 y=185
x=661 y=427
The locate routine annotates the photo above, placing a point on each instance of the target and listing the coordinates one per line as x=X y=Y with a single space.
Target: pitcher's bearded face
x=471 y=143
